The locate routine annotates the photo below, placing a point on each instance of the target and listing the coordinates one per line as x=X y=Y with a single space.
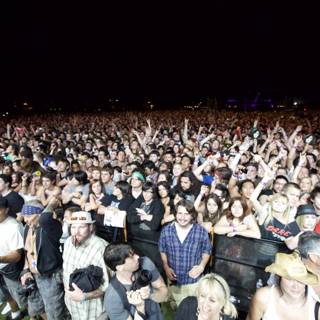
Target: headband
x=138 y=175
x=28 y=210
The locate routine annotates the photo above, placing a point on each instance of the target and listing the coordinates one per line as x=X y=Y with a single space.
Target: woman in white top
x=292 y=298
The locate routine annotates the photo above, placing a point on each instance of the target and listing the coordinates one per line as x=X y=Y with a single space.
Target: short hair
x=115 y=254
x=224 y=173
x=314 y=192
x=242 y=182
x=6 y=178
x=189 y=207
x=156 y=152
x=149 y=164
x=124 y=187
x=215 y=285
x=150 y=186
x=252 y=164
x=50 y=174
x=289 y=185
x=81 y=177
x=281 y=177
x=224 y=191
x=108 y=168
x=309 y=242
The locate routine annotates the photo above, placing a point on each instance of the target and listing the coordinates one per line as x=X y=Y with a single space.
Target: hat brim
x=308 y=279
x=80 y=222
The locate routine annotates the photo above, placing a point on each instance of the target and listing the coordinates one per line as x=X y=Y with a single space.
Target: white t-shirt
x=11 y=232
x=182 y=232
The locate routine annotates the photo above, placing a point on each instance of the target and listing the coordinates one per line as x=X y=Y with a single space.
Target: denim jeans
x=14 y=287
x=4 y=293
x=51 y=290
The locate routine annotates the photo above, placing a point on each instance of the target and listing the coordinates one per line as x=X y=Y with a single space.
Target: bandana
x=138 y=176
x=28 y=210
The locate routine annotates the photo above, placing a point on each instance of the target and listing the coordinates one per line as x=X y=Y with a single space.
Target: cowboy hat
x=290 y=266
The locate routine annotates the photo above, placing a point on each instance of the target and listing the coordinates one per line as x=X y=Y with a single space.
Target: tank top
x=271 y=314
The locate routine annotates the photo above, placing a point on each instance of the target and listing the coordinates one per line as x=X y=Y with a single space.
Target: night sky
x=170 y=53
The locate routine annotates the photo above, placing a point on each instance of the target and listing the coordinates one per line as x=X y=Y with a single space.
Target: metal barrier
x=241 y=261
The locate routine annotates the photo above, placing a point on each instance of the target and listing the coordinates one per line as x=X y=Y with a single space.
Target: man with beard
x=82 y=249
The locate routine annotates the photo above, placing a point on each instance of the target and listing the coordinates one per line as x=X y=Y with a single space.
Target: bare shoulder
x=258 y=304
x=261 y=297
x=263 y=292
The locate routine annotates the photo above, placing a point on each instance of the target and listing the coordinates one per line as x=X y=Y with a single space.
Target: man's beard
x=78 y=243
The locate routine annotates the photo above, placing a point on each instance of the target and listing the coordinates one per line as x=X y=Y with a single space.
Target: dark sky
x=171 y=53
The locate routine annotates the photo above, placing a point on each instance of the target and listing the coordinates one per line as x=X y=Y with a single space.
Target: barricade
x=241 y=261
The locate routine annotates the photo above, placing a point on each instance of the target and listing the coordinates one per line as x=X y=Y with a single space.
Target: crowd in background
x=163 y=182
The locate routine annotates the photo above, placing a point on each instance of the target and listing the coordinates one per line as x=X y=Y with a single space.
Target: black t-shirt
x=15 y=203
x=277 y=231
x=109 y=233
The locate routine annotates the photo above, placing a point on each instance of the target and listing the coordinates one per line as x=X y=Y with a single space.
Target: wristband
x=233 y=227
x=84 y=298
x=264 y=183
x=235 y=176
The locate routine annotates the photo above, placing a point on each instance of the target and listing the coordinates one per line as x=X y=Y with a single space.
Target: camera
x=144 y=279
x=29 y=287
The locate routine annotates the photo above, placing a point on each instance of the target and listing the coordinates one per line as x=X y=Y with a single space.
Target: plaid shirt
x=90 y=252
x=183 y=256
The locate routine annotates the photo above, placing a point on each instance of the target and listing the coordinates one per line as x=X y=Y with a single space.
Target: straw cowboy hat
x=290 y=266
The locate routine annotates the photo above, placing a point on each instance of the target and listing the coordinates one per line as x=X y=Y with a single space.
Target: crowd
x=111 y=215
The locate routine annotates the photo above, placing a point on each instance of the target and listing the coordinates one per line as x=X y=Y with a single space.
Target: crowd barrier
x=241 y=261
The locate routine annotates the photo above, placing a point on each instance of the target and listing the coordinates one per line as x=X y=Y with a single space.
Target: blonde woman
x=211 y=303
x=275 y=219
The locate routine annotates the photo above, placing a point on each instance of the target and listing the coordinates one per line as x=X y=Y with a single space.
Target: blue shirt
x=206 y=179
x=183 y=256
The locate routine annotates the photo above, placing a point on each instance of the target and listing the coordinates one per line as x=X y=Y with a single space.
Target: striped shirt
x=183 y=256
x=88 y=253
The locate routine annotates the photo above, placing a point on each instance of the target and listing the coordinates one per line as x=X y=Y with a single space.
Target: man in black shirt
x=15 y=201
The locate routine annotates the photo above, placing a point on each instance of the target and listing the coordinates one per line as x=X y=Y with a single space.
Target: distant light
x=25 y=103
x=117 y=100
x=295 y=103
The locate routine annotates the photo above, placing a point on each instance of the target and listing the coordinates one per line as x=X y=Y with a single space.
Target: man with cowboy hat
x=82 y=249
